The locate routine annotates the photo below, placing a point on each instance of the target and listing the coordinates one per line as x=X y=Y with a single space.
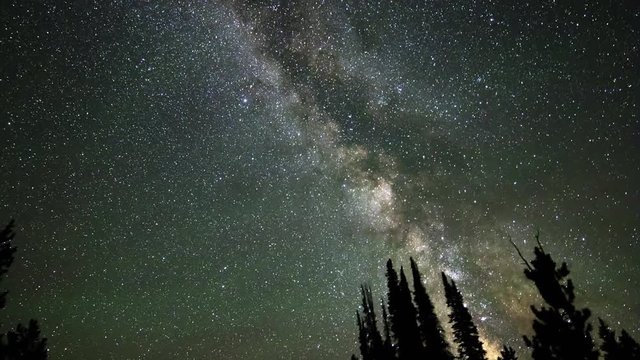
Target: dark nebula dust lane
x=215 y=179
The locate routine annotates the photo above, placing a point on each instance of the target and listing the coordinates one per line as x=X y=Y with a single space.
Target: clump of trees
x=24 y=342
x=411 y=329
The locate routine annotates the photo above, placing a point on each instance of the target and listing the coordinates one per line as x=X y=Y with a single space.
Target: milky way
x=214 y=180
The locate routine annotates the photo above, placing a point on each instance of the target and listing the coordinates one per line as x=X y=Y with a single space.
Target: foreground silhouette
x=433 y=337
x=24 y=342
x=622 y=348
x=560 y=330
x=411 y=329
x=465 y=332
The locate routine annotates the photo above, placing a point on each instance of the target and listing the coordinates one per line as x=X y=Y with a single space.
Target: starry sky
x=214 y=179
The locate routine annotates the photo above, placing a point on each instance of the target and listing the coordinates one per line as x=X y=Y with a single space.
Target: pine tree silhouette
x=371 y=346
x=393 y=299
x=24 y=342
x=464 y=330
x=387 y=345
x=626 y=348
x=560 y=330
x=412 y=346
x=431 y=332
x=413 y=331
x=507 y=353
x=402 y=316
x=6 y=255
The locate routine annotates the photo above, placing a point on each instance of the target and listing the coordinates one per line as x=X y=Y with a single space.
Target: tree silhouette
x=507 y=353
x=412 y=329
x=625 y=348
x=412 y=344
x=6 y=255
x=387 y=345
x=402 y=316
x=560 y=330
x=464 y=330
x=431 y=332
x=371 y=346
x=24 y=342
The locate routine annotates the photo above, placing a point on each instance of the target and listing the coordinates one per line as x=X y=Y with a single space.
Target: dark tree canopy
x=412 y=331
x=431 y=332
x=406 y=321
x=507 y=353
x=371 y=346
x=387 y=343
x=6 y=255
x=623 y=348
x=24 y=342
x=393 y=301
x=402 y=316
x=409 y=345
x=465 y=332
x=560 y=330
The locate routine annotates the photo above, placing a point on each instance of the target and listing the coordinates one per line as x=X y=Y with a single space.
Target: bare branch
x=538 y=241
x=520 y=253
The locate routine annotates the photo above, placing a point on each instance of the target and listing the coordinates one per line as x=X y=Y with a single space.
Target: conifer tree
x=24 y=342
x=629 y=348
x=413 y=347
x=626 y=348
x=371 y=347
x=387 y=344
x=393 y=294
x=561 y=332
x=431 y=332
x=362 y=337
x=464 y=330
x=507 y=353
x=402 y=315
x=6 y=255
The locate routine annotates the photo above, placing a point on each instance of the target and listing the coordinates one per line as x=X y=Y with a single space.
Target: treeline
x=409 y=328
x=24 y=342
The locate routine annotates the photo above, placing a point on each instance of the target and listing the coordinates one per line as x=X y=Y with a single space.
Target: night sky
x=214 y=180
